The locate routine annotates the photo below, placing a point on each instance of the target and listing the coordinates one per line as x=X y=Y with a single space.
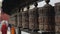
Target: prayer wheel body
x=57 y=17
x=25 y=19
x=50 y=14
x=33 y=19
x=46 y=18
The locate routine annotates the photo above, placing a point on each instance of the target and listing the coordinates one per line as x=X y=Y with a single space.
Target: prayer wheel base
x=48 y=32
x=34 y=30
x=25 y=28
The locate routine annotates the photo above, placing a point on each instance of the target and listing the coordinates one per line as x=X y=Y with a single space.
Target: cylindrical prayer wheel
x=25 y=20
x=33 y=19
x=46 y=18
x=48 y=11
x=42 y=19
x=57 y=17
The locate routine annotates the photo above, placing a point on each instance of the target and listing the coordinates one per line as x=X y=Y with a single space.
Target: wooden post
x=17 y=29
x=20 y=21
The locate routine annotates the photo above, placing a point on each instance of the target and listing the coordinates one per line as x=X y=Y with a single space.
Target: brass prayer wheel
x=25 y=19
x=49 y=15
x=46 y=17
x=43 y=19
x=33 y=19
x=57 y=17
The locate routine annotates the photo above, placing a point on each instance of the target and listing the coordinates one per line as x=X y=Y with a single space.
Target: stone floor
x=22 y=32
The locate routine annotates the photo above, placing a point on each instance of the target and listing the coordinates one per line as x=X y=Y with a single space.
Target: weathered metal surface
x=33 y=19
x=43 y=19
x=57 y=28
x=57 y=17
x=25 y=19
x=49 y=11
x=46 y=18
x=40 y=19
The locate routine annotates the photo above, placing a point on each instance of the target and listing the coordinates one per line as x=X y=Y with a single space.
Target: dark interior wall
x=8 y=5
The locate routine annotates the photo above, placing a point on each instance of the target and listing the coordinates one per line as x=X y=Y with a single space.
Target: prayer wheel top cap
x=35 y=4
x=57 y=4
x=22 y=9
x=47 y=1
x=28 y=7
x=47 y=4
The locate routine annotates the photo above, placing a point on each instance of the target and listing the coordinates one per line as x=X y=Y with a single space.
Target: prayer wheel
x=25 y=20
x=49 y=13
x=42 y=19
x=46 y=17
x=57 y=17
x=33 y=19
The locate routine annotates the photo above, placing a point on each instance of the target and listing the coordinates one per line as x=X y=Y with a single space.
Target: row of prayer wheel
x=42 y=18
x=38 y=18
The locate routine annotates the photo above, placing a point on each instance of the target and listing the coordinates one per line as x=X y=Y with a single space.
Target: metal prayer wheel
x=33 y=19
x=46 y=17
x=42 y=19
x=49 y=23
x=57 y=17
x=25 y=19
